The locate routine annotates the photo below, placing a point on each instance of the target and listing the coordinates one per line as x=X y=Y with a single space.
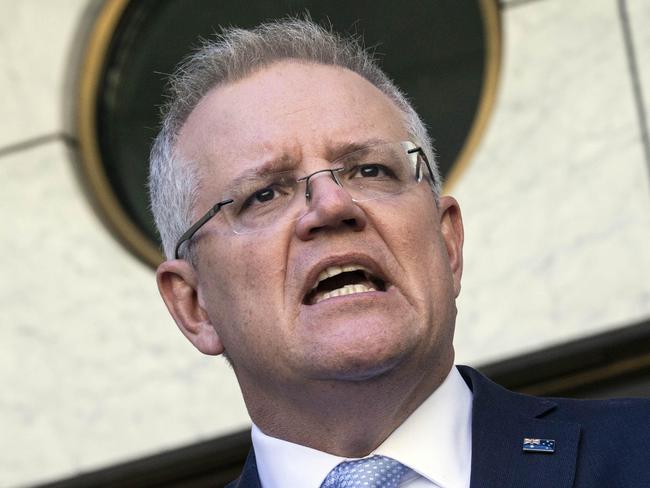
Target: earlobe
x=178 y=286
x=451 y=227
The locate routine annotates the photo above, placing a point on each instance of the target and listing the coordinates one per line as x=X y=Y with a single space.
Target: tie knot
x=372 y=472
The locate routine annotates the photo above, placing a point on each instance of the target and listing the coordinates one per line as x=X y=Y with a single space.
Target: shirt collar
x=281 y=463
x=435 y=441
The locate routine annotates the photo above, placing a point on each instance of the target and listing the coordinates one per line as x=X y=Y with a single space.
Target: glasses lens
x=261 y=202
x=370 y=173
x=379 y=171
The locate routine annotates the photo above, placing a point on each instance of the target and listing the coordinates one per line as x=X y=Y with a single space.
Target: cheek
x=416 y=242
x=413 y=230
x=245 y=278
x=261 y=266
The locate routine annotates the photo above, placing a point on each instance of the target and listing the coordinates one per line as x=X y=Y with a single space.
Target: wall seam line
x=515 y=3
x=637 y=92
x=36 y=142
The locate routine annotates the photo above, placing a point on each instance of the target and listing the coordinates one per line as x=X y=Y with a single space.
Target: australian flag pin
x=539 y=445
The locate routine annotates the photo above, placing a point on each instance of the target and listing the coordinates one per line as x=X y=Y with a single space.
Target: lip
x=340 y=260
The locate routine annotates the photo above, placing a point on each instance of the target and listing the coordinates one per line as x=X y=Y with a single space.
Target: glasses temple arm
x=199 y=223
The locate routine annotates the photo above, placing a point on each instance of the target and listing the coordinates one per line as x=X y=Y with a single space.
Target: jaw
x=325 y=412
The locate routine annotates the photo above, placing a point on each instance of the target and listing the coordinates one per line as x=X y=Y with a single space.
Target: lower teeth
x=346 y=290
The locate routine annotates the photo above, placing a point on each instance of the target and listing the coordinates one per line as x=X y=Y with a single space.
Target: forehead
x=288 y=110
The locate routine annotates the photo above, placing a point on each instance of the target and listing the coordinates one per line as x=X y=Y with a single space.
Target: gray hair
x=233 y=55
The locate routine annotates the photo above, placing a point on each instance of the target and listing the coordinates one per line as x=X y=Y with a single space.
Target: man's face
x=255 y=288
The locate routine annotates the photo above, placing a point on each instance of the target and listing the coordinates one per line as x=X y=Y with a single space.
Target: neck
x=344 y=418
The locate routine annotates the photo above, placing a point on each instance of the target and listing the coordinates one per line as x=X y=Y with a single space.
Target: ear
x=178 y=286
x=451 y=227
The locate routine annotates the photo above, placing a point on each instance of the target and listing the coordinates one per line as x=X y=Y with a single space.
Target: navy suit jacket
x=598 y=443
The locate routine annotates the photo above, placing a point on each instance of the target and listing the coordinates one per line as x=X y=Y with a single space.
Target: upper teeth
x=336 y=270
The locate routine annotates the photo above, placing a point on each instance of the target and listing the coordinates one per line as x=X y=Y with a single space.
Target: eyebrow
x=283 y=163
x=340 y=150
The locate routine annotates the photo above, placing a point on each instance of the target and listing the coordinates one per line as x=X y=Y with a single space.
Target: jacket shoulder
x=614 y=439
x=614 y=434
x=622 y=422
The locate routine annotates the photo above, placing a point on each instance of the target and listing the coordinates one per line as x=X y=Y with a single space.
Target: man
x=299 y=206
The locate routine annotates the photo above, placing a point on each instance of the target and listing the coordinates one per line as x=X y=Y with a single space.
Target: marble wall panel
x=35 y=41
x=556 y=201
x=93 y=369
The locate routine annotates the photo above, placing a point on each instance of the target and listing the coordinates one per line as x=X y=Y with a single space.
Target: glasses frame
x=216 y=208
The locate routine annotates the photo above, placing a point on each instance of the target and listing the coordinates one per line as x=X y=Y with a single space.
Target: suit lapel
x=249 y=477
x=500 y=421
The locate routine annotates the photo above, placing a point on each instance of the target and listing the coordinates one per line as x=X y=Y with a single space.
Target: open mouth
x=336 y=281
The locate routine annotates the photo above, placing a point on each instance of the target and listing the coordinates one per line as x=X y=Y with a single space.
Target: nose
x=329 y=206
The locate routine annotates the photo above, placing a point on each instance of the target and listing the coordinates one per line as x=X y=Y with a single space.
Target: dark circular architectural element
x=444 y=54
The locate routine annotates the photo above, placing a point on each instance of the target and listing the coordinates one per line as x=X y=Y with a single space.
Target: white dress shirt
x=435 y=441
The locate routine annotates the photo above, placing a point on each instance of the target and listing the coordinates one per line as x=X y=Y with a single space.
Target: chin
x=358 y=348
x=357 y=365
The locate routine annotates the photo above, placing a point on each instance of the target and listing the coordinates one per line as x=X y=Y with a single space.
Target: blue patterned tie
x=372 y=472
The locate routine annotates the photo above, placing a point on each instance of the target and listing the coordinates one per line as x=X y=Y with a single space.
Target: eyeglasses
x=266 y=200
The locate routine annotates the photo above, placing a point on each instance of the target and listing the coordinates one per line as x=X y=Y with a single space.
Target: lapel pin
x=539 y=445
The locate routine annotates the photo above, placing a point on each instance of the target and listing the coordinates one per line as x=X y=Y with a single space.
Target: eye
x=371 y=171
x=266 y=198
x=260 y=197
x=264 y=195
